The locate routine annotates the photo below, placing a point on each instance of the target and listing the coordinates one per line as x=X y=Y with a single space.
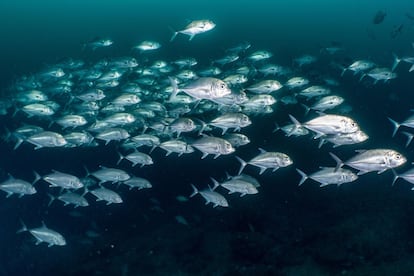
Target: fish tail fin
x=120 y=157
x=277 y=127
x=397 y=61
x=215 y=182
x=307 y=108
x=303 y=175
x=37 y=177
x=152 y=148
x=195 y=190
x=174 y=86
x=297 y=125
x=52 y=198
x=18 y=143
x=396 y=126
x=396 y=176
x=87 y=171
x=23 y=229
x=242 y=164
x=338 y=161
x=174 y=34
x=409 y=138
x=321 y=142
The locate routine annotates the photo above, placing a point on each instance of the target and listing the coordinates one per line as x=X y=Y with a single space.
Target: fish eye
x=398 y=156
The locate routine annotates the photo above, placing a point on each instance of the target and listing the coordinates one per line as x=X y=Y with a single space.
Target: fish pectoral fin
x=262 y=169
x=362 y=172
x=381 y=171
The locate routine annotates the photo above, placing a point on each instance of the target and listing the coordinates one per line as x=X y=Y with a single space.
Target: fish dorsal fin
x=262 y=150
x=44 y=224
x=320 y=113
x=103 y=167
x=10 y=176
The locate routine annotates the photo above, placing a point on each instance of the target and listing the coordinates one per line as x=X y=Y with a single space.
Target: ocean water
x=359 y=228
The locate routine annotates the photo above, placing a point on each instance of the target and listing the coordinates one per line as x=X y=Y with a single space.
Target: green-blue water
x=361 y=228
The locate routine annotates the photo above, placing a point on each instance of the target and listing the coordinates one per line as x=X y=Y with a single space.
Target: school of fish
x=142 y=104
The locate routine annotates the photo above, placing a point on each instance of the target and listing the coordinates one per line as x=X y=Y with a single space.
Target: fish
x=104 y=194
x=71 y=121
x=359 y=66
x=325 y=103
x=112 y=175
x=265 y=87
x=37 y=109
x=137 y=182
x=379 y=74
x=44 y=234
x=136 y=158
x=203 y=88
x=314 y=91
x=259 y=55
x=213 y=145
x=344 y=139
x=379 y=160
x=328 y=125
x=237 y=139
x=211 y=196
x=70 y=198
x=304 y=60
x=237 y=186
x=266 y=160
x=194 y=28
x=176 y=146
x=60 y=179
x=18 y=186
x=147 y=45
x=99 y=43
x=329 y=175
x=231 y=120
x=44 y=139
x=296 y=82
x=111 y=134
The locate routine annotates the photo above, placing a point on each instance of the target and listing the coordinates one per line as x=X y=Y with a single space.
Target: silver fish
x=194 y=28
x=44 y=234
x=104 y=194
x=378 y=160
x=18 y=186
x=328 y=124
x=327 y=176
x=211 y=196
x=113 y=175
x=266 y=160
x=203 y=88
x=59 y=179
x=237 y=186
x=213 y=145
